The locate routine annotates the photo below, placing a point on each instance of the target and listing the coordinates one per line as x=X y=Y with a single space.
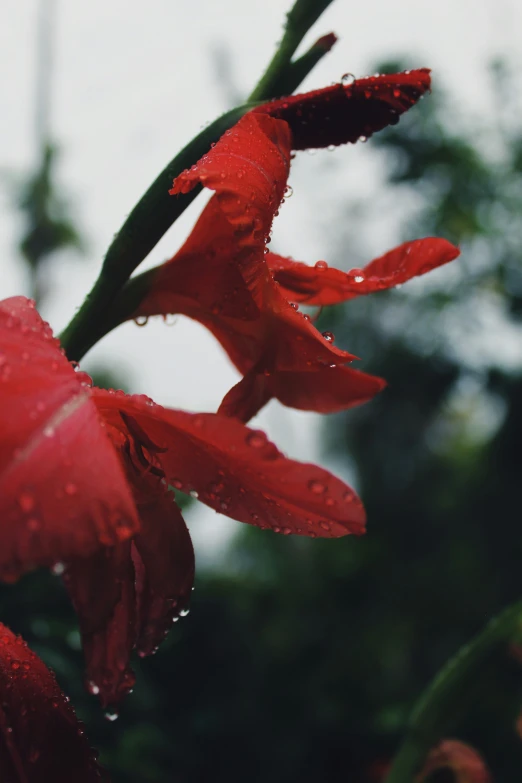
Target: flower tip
x=326 y=42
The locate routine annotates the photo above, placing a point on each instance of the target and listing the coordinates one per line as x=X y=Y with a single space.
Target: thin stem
x=156 y=211
x=437 y=706
x=152 y=216
x=298 y=21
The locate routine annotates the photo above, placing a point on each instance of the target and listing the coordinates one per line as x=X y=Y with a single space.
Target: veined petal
x=164 y=565
x=41 y=739
x=238 y=472
x=327 y=390
x=349 y=112
x=248 y=169
x=323 y=285
x=102 y=589
x=464 y=761
x=63 y=492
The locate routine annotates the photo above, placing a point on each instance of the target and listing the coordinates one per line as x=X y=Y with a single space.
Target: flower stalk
x=433 y=713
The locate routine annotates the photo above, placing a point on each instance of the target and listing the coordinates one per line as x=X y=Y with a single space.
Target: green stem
x=156 y=211
x=152 y=216
x=299 y=20
x=437 y=706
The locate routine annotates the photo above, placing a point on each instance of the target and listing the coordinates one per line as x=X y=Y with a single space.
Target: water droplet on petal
x=325 y=526
x=184 y=612
x=329 y=337
x=141 y=320
x=317 y=487
x=358 y=275
x=93 y=688
x=58 y=569
x=26 y=501
x=111 y=716
x=289 y=191
x=256 y=439
x=347 y=78
x=193 y=493
x=321 y=265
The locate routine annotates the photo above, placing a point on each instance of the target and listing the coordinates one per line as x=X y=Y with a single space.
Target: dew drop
x=289 y=191
x=347 y=78
x=358 y=275
x=194 y=494
x=58 y=569
x=26 y=501
x=325 y=525
x=177 y=484
x=15 y=665
x=111 y=716
x=184 y=612
x=169 y=319
x=321 y=265
x=141 y=320
x=256 y=439
x=328 y=336
x=93 y=688
x=287 y=531
x=276 y=529
x=317 y=487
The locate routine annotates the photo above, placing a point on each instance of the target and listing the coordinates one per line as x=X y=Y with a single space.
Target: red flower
x=465 y=763
x=225 y=278
x=84 y=476
x=41 y=739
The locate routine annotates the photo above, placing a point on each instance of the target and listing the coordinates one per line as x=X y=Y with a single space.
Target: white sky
x=133 y=82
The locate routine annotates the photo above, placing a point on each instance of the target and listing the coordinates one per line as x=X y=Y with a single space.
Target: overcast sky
x=133 y=82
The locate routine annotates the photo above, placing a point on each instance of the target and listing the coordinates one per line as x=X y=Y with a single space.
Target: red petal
x=321 y=285
x=164 y=563
x=464 y=761
x=328 y=390
x=103 y=593
x=41 y=739
x=128 y=595
x=237 y=471
x=62 y=489
x=248 y=169
x=348 y=112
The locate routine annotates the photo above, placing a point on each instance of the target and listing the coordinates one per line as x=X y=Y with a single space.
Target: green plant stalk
x=298 y=69
x=299 y=20
x=152 y=216
x=434 y=711
x=156 y=211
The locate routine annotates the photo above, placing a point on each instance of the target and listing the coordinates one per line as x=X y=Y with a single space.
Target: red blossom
x=129 y=581
x=321 y=285
x=464 y=761
x=224 y=278
x=41 y=740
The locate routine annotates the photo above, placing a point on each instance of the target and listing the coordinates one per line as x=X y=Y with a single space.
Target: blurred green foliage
x=301 y=660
